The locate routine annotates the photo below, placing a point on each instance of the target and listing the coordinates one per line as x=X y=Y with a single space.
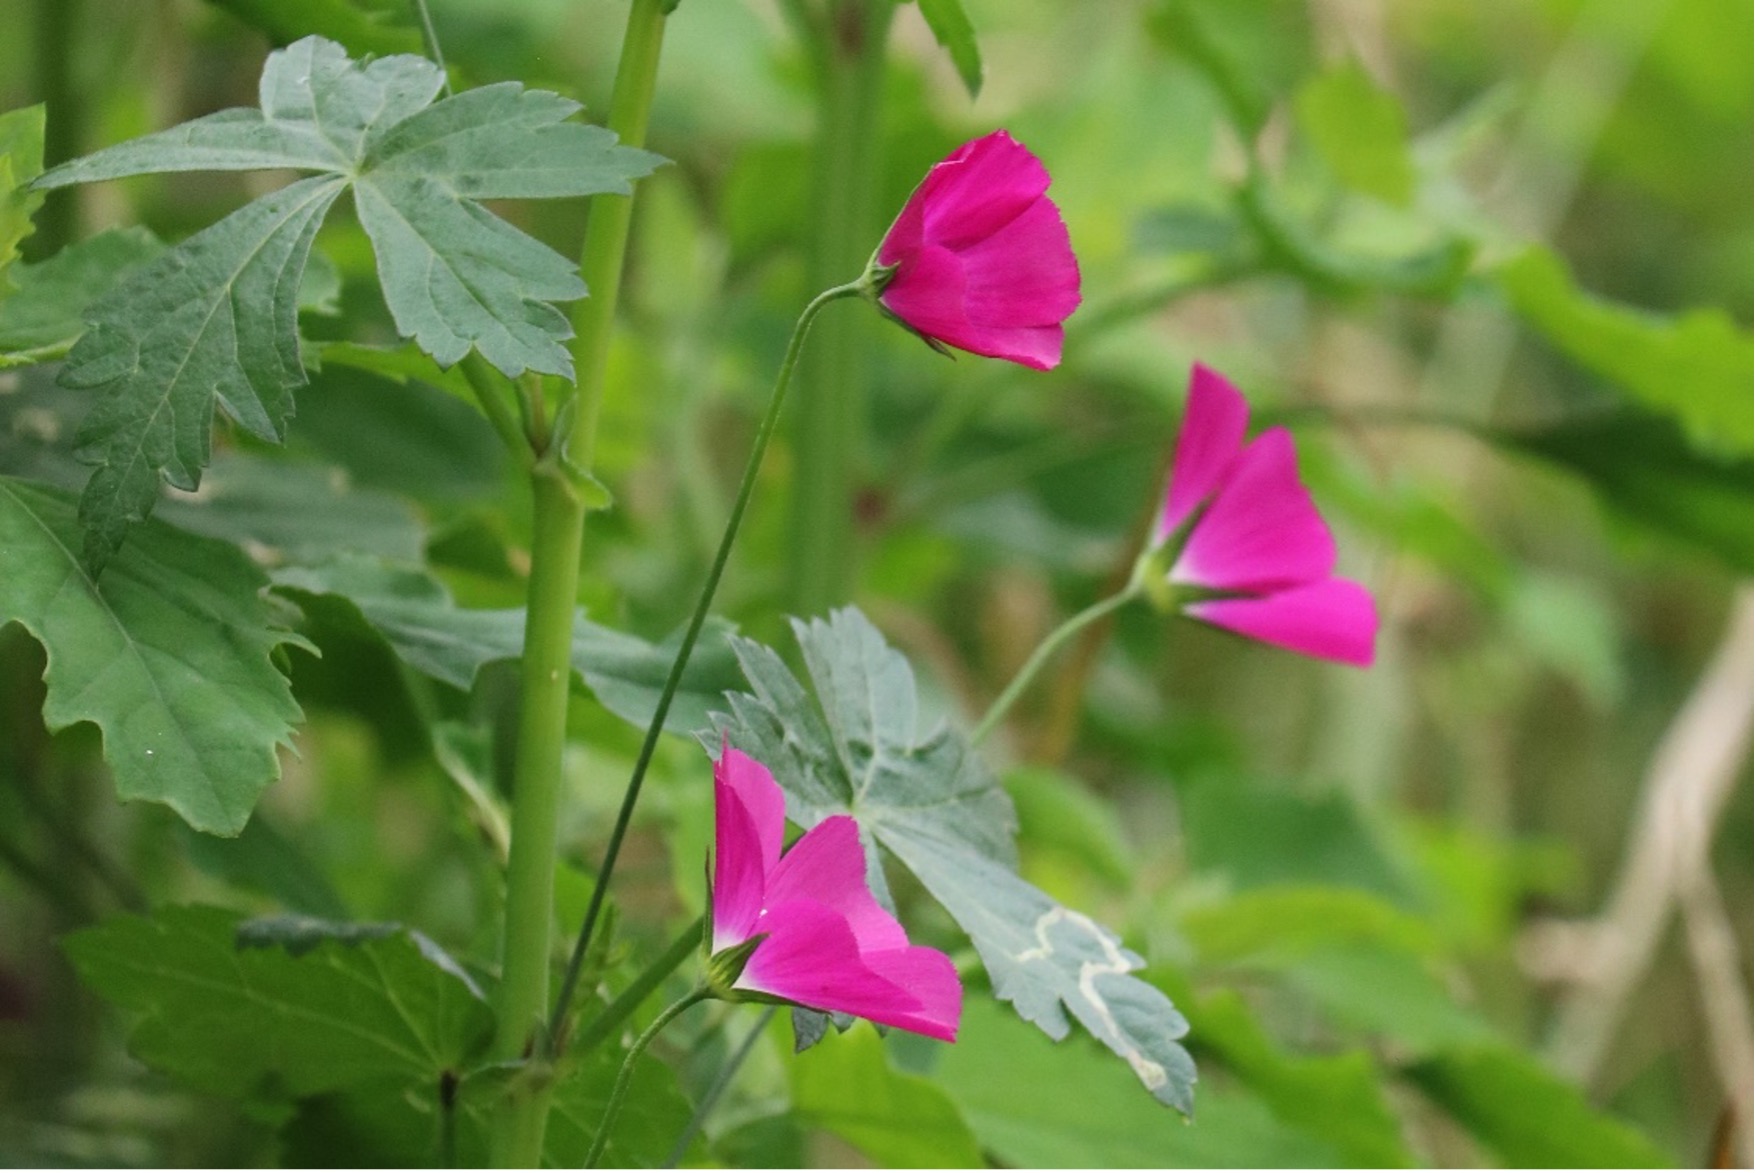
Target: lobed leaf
x=50 y=316
x=170 y=657
x=21 y=159
x=284 y=1008
x=214 y=320
x=933 y=804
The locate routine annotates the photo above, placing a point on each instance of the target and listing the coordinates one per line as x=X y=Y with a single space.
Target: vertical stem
x=606 y=226
x=828 y=439
x=559 y=519
x=52 y=59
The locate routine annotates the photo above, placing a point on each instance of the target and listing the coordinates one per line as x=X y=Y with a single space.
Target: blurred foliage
x=1489 y=260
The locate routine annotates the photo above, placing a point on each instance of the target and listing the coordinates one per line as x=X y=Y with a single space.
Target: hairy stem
x=620 y=1091
x=559 y=519
x=1044 y=653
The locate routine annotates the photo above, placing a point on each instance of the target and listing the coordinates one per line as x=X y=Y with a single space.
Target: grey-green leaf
x=416 y=616
x=169 y=658
x=50 y=316
x=933 y=803
x=217 y=315
x=213 y=320
x=288 y=1008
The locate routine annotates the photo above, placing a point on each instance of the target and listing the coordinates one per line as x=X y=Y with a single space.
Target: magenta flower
x=820 y=938
x=1249 y=551
x=979 y=258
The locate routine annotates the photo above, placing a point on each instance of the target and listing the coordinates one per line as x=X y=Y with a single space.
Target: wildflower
x=805 y=928
x=979 y=258
x=1240 y=544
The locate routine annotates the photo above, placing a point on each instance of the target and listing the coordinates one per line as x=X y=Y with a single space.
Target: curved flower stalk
x=804 y=928
x=979 y=257
x=1240 y=544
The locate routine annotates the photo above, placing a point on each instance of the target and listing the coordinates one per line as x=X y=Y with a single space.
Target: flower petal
x=927 y=293
x=828 y=865
x=1211 y=436
x=1262 y=532
x=928 y=975
x=749 y=820
x=1333 y=620
x=810 y=957
x=979 y=189
x=1025 y=274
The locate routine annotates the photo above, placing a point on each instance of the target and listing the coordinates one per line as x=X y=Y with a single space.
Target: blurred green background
x=1487 y=902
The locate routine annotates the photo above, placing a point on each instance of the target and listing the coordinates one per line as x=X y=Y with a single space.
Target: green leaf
x=170 y=658
x=49 y=316
x=1644 y=470
x=229 y=1007
x=1360 y=131
x=1285 y=923
x=846 y=1086
x=21 y=160
x=263 y=860
x=952 y=29
x=377 y=27
x=1251 y=54
x=214 y=320
x=282 y=511
x=1529 y=1116
x=933 y=804
x=1696 y=366
x=652 y=1117
x=1259 y=836
x=1036 y=1105
x=416 y=616
x=1383 y=993
x=1338 y=1098
x=1293 y=247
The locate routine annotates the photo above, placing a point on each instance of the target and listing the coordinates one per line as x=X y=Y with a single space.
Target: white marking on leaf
x=1152 y=1074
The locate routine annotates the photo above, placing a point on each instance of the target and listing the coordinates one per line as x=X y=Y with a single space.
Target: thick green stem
x=559 y=519
x=1046 y=651
x=829 y=431
x=620 y=1091
x=57 y=23
x=606 y=225
x=654 y=728
x=546 y=678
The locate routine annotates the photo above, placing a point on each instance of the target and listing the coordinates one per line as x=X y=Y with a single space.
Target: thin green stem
x=491 y=389
x=1045 y=651
x=57 y=26
x=629 y=1000
x=431 y=37
x=745 y=487
x=620 y=1091
x=720 y=1083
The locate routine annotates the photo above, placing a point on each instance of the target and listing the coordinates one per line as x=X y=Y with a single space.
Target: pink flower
x=1251 y=553
x=981 y=257
x=821 y=939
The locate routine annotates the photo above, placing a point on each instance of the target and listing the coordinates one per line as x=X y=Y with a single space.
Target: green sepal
x=727 y=966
